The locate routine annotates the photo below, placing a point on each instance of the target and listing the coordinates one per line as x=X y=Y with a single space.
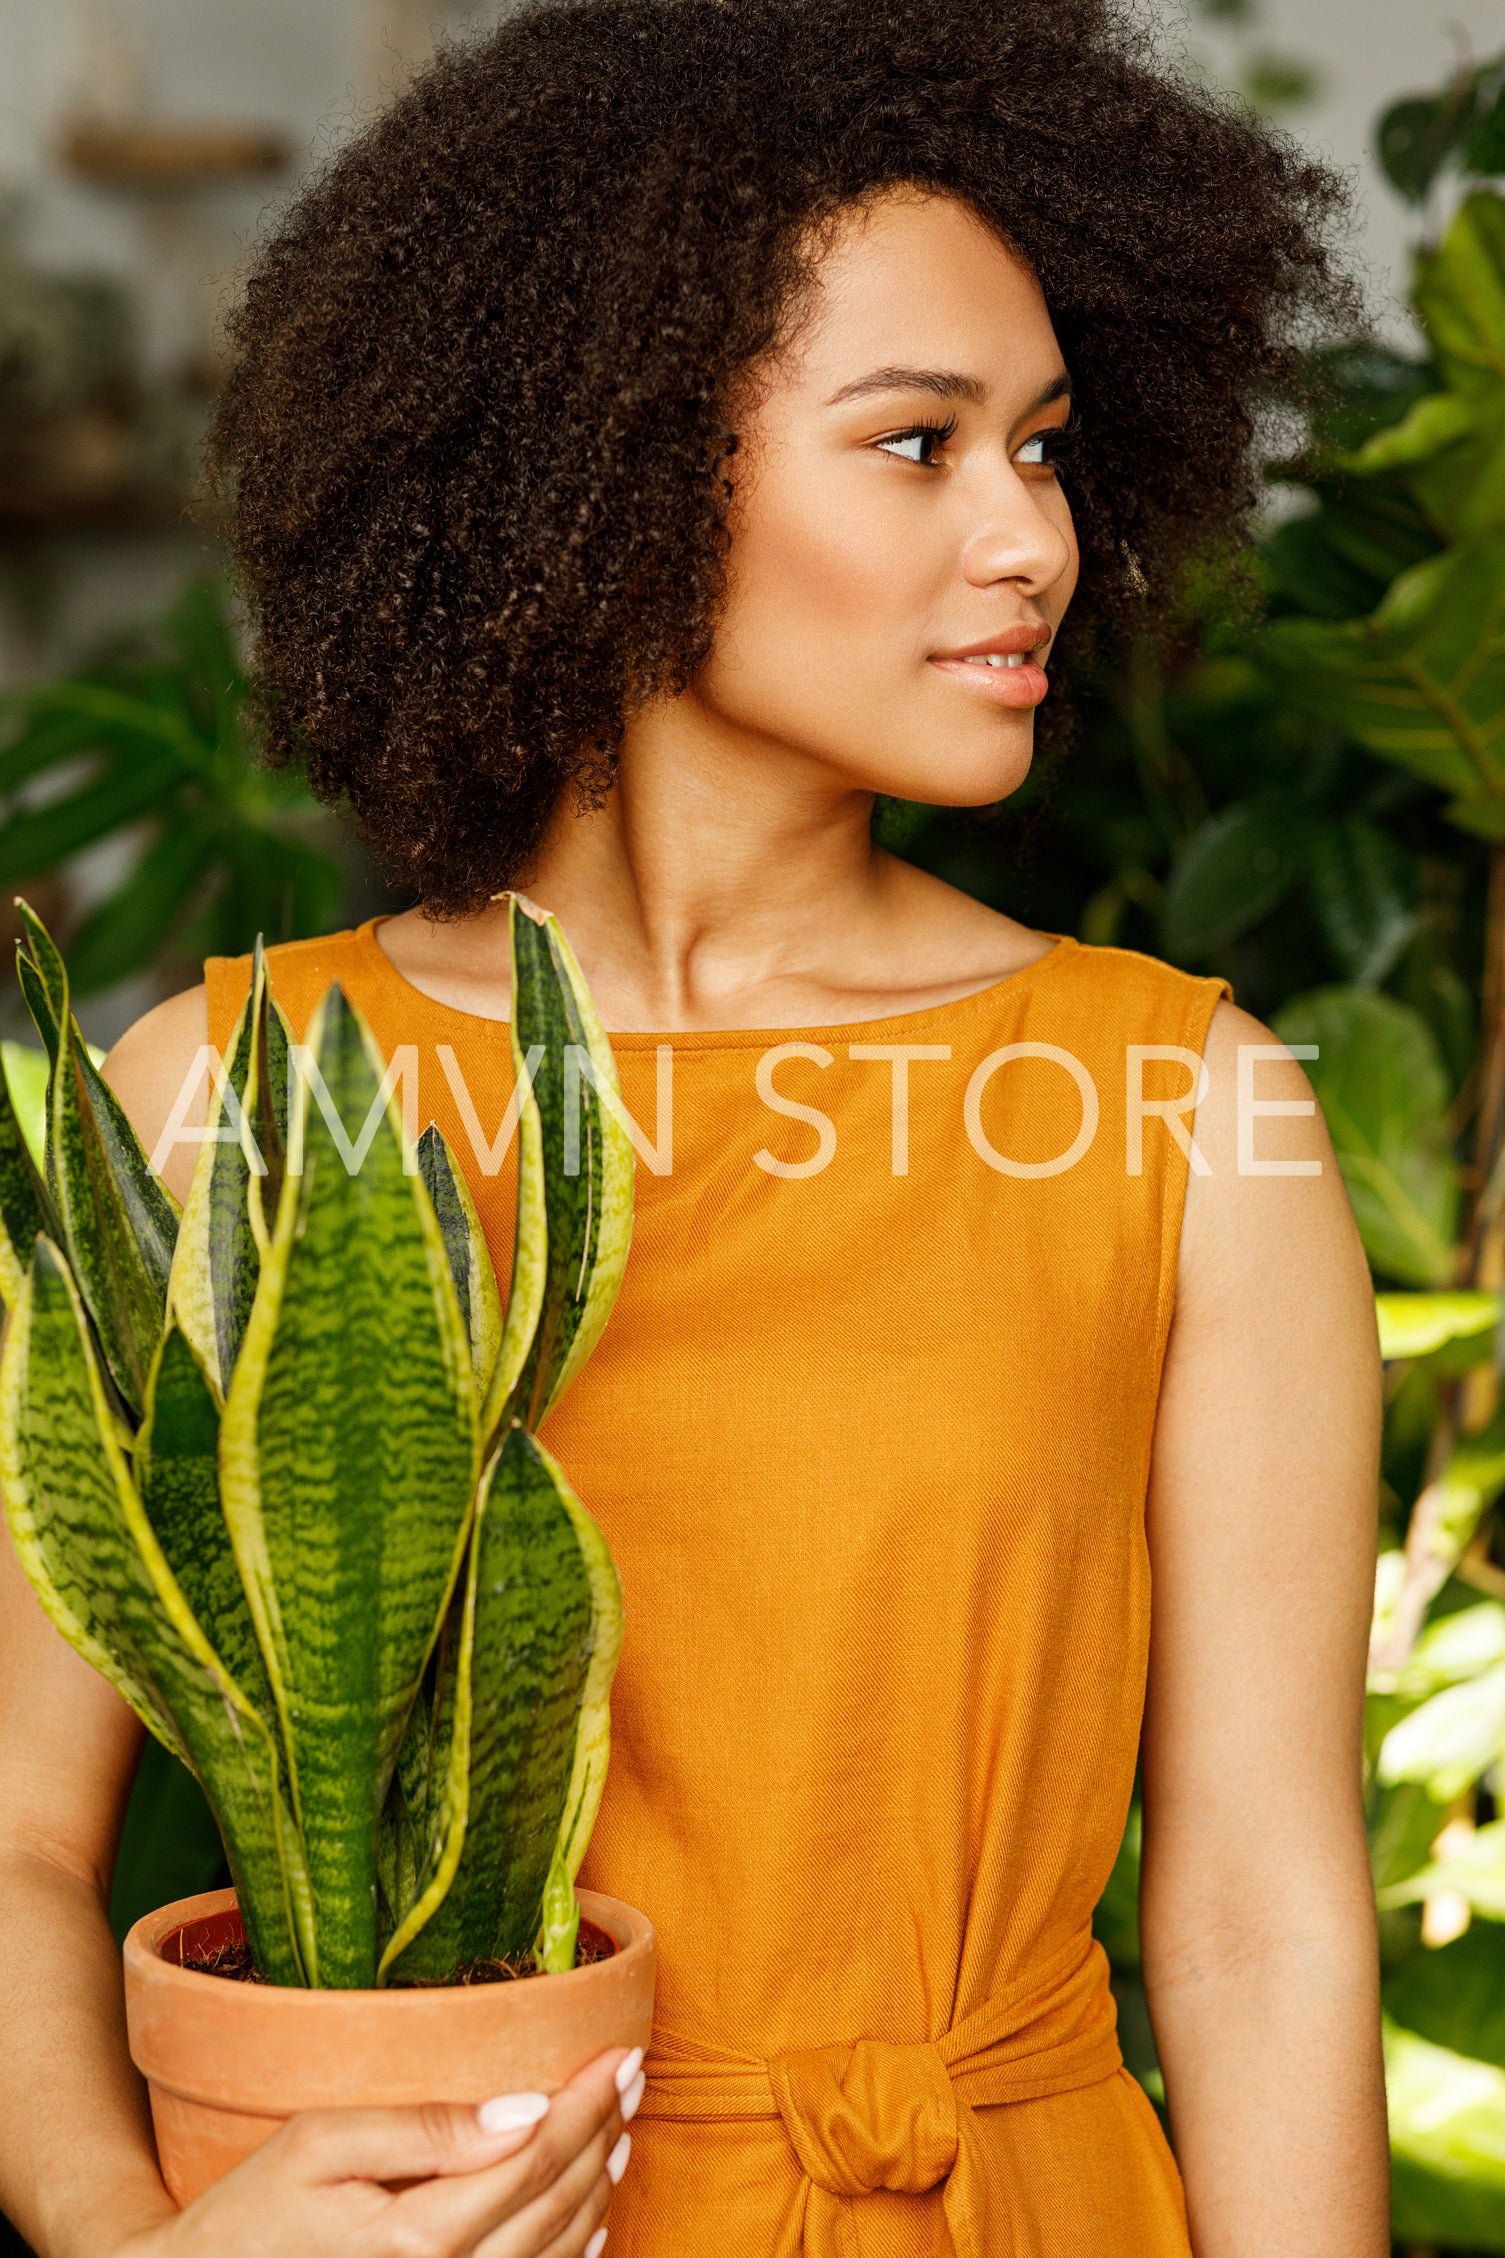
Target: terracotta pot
x=227 y=2062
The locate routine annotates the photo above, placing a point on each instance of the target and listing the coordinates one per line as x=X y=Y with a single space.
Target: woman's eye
x=919 y=443
x=1045 y=448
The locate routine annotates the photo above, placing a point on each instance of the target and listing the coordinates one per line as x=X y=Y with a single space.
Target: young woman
x=669 y=427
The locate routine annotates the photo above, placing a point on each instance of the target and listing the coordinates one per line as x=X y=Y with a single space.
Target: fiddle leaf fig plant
x=270 y=1465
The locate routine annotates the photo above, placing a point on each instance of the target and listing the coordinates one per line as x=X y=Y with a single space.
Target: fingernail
x=510 y=2112
x=597 y=2243
x=628 y=2070
x=632 y=2097
x=616 y=2162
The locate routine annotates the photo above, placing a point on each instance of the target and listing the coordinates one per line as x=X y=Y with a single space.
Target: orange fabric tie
x=873 y=2115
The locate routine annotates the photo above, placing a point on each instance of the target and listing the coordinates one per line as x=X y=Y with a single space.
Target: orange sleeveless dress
x=868 y=1434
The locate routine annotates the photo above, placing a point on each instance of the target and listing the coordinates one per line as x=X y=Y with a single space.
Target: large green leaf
x=124 y=932
x=1450 y=1650
x=1476 y=1871
x=1423 y=681
x=1306 y=566
x=1451 y=1740
x=520 y=1668
x=1415 y=138
x=347 y=1467
x=43 y=837
x=1447 y=2144
x=1460 y=298
x=1417 y=1324
x=1362 y=888
x=84 y=1542
x=118 y=1221
x=1383 y=1093
x=587 y=1161
x=1455 y=1997
x=1374 y=523
x=1234 y=871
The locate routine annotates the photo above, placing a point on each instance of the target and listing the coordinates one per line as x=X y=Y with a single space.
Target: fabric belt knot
x=870 y=2116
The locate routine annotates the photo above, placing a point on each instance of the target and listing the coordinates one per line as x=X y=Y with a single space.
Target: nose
x=1021 y=533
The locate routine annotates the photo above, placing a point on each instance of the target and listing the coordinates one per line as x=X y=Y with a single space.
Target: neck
x=715 y=868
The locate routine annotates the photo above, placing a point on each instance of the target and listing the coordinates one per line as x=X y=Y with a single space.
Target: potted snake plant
x=270 y=1464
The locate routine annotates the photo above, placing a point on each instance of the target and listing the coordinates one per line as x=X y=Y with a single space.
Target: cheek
x=818 y=562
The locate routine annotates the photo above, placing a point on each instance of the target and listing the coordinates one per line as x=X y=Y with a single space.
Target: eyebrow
x=941 y=384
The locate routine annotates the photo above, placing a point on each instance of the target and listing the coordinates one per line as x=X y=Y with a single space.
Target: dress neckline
x=403 y=990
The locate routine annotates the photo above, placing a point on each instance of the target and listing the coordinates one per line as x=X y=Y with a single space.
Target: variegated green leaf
x=177 y=1477
x=47 y=964
x=587 y=1157
x=24 y=1205
x=469 y=1259
x=561 y=1913
x=347 y=1468
x=119 y=1222
x=236 y=1182
x=85 y=1543
x=530 y=1633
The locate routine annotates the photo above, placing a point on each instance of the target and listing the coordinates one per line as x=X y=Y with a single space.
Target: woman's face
x=898 y=531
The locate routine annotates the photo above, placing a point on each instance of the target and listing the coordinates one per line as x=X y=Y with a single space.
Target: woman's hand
x=520 y=2177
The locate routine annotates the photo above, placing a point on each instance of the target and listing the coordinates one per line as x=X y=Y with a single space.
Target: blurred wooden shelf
x=159 y=153
x=77 y=472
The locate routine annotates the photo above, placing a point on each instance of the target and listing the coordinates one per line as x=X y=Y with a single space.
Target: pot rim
x=630 y=1931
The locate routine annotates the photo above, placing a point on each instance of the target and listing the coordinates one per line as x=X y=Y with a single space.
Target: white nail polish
x=597 y=2243
x=510 y=2112
x=632 y=2097
x=628 y=2070
x=616 y=2162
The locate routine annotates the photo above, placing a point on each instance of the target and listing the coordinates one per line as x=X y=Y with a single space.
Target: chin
x=961 y=776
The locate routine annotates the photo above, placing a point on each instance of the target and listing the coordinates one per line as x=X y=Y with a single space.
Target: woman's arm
x=78 y=2170
x=1257 y=1917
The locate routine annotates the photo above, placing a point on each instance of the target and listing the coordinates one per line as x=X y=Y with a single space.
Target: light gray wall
x=1368 y=53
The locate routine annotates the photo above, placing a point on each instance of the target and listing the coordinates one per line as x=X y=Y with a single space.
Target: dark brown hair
x=477 y=423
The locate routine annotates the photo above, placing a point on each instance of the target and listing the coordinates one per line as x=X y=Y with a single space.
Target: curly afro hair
x=478 y=422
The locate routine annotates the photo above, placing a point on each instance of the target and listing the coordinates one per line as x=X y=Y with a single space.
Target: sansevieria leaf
x=119 y=1222
x=24 y=1205
x=348 y=1467
x=522 y=1662
x=85 y=1543
x=587 y=1157
x=469 y=1259
x=176 y=1464
x=561 y=1913
x=236 y=1183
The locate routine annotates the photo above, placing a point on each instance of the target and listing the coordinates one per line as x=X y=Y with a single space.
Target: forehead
x=919 y=280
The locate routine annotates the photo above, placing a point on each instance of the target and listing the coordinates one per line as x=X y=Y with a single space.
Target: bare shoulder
x=157 y=1070
x=1267 y=1217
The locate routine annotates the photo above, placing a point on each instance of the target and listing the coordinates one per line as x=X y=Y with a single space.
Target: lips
x=1012 y=643
x=1002 y=669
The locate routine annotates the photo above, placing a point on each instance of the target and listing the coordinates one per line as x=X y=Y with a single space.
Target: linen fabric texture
x=870 y=1450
